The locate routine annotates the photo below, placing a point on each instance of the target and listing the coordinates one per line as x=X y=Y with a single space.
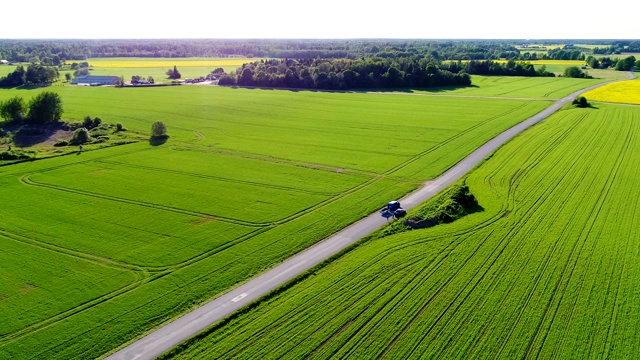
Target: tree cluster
x=620 y=64
x=510 y=68
x=137 y=79
x=174 y=73
x=626 y=64
x=34 y=74
x=89 y=123
x=618 y=47
x=575 y=72
x=581 y=102
x=44 y=108
x=563 y=54
x=338 y=74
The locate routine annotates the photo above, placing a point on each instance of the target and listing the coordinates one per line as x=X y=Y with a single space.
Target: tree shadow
x=28 y=87
x=158 y=140
x=27 y=136
x=428 y=90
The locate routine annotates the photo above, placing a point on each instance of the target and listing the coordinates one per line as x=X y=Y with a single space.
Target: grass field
x=627 y=92
x=548 y=270
x=247 y=178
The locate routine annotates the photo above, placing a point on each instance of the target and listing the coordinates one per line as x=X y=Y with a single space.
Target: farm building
x=91 y=80
x=4 y=62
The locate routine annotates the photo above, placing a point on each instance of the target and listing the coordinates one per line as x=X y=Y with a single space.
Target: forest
x=53 y=52
x=341 y=74
x=370 y=73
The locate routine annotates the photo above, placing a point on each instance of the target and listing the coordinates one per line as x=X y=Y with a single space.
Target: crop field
x=157 y=67
x=627 y=92
x=111 y=243
x=164 y=62
x=518 y=87
x=549 y=269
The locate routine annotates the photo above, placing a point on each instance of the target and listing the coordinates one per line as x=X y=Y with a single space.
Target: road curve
x=190 y=324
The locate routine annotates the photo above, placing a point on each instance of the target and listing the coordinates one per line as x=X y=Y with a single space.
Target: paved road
x=194 y=322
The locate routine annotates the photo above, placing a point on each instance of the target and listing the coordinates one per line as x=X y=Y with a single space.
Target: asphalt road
x=172 y=334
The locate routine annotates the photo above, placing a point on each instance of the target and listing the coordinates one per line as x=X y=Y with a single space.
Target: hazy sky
x=541 y=19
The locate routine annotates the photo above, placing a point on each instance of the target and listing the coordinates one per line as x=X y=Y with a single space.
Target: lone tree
x=45 y=107
x=158 y=130
x=581 y=102
x=174 y=73
x=13 y=109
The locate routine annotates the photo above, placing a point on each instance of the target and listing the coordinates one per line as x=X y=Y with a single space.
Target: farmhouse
x=91 y=80
x=3 y=62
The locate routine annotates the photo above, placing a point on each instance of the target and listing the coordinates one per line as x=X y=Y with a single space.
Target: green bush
x=13 y=109
x=80 y=136
x=87 y=122
x=158 y=130
x=10 y=155
x=581 y=102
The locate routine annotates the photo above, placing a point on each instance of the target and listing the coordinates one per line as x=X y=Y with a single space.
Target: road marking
x=239 y=297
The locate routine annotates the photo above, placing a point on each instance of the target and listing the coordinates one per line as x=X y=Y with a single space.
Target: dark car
x=400 y=213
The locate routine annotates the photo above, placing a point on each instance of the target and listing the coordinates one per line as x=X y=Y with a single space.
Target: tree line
x=342 y=74
x=55 y=52
x=509 y=68
x=34 y=74
x=620 y=64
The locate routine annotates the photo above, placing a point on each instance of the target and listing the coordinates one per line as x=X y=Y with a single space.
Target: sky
x=326 y=19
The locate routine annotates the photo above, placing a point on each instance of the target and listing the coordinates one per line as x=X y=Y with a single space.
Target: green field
x=159 y=74
x=519 y=87
x=6 y=69
x=549 y=269
x=247 y=178
x=157 y=67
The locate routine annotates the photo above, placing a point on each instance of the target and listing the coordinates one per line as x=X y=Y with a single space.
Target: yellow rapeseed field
x=551 y=62
x=627 y=92
x=156 y=63
x=540 y=62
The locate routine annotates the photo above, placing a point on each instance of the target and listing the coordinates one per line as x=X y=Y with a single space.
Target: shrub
x=581 y=102
x=158 y=129
x=10 y=155
x=87 y=122
x=101 y=139
x=119 y=127
x=80 y=136
x=60 y=143
x=13 y=109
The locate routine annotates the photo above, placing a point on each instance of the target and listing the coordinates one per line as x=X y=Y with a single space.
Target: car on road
x=400 y=213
